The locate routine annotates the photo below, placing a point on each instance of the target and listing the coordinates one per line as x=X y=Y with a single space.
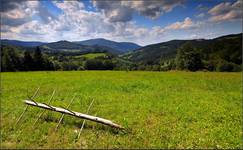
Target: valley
x=219 y=54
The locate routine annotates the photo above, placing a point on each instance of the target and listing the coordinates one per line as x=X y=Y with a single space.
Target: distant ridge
x=69 y=47
x=120 y=46
x=21 y=43
x=111 y=46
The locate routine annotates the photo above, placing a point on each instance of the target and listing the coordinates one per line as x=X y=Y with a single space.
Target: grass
x=92 y=55
x=158 y=109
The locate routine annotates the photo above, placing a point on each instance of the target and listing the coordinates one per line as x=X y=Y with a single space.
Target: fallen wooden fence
x=73 y=113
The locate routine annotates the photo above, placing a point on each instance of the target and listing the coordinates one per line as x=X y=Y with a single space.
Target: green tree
x=10 y=60
x=28 y=62
x=188 y=58
x=108 y=65
x=38 y=59
x=224 y=66
x=48 y=65
x=94 y=64
x=7 y=65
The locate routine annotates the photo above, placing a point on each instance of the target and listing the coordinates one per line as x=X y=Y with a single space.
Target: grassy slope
x=92 y=55
x=160 y=109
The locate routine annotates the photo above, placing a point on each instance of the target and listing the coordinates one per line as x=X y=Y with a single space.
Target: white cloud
x=19 y=13
x=84 y=24
x=70 y=6
x=186 y=24
x=122 y=11
x=201 y=15
x=75 y=24
x=16 y=12
x=151 y=9
x=226 y=11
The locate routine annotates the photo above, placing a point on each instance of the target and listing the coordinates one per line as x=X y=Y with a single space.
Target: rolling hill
x=94 y=45
x=71 y=47
x=120 y=46
x=63 y=45
x=21 y=43
x=220 y=54
x=225 y=46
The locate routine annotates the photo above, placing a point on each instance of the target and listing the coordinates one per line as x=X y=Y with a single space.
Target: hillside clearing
x=92 y=55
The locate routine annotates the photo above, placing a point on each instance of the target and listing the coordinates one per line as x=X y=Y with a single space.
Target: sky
x=140 y=21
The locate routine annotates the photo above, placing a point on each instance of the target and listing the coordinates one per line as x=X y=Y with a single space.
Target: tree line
x=187 y=58
x=13 y=61
x=191 y=58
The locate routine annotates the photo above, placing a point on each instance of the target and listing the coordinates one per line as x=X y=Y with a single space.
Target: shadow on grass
x=101 y=127
x=88 y=125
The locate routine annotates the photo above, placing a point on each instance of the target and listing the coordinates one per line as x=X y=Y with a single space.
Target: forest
x=220 y=54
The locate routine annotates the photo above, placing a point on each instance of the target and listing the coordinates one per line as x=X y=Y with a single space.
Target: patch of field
x=70 y=50
x=158 y=109
x=92 y=55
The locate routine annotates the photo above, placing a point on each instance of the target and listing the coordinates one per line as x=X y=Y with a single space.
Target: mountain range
x=227 y=48
x=92 y=45
x=21 y=43
x=71 y=47
x=120 y=46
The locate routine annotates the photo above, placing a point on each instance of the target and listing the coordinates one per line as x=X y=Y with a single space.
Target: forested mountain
x=120 y=46
x=152 y=54
x=63 y=45
x=21 y=43
x=74 y=47
x=227 y=48
x=71 y=47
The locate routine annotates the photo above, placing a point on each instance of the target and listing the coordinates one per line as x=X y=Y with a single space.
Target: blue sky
x=143 y=22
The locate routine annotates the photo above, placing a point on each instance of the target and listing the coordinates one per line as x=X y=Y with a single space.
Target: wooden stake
x=20 y=117
x=73 y=113
x=85 y=120
x=63 y=113
x=44 y=109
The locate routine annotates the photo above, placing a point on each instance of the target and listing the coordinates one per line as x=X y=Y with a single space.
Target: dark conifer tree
x=188 y=58
x=28 y=62
x=38 y=60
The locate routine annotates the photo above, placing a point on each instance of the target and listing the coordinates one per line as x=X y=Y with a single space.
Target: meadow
x=157 y=109
x=93 y=55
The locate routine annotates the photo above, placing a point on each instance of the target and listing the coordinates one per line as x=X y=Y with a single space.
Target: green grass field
x=158 y=109
x=91 y=55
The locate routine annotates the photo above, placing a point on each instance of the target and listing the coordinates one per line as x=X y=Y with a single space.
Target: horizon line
x=127 y=41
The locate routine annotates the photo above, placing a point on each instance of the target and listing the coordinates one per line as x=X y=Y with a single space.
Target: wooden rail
x=73 y=113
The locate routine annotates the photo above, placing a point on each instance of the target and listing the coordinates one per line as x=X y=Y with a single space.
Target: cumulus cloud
x=186 y=24
x=69 y=6
x=152 y=9
x=75 y=23
x=79 y=24
x=158 y=33
x=122 y=11
x=74 y=17
x=114 y=10
x=15 y=13
x=7 y=5
x=226 y=11
x=18 y=12
x=201 y=15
